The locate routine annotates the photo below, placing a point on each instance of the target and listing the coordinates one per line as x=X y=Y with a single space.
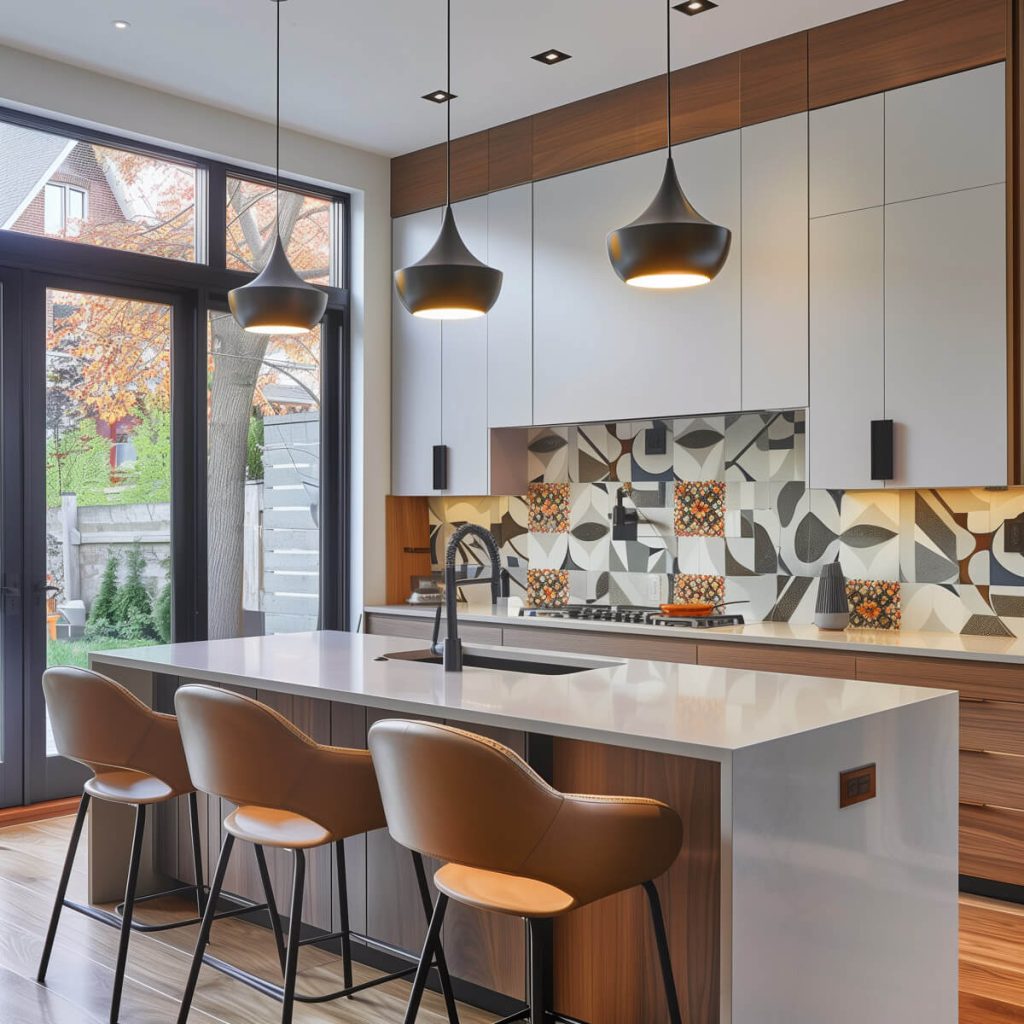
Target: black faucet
x=451 y=649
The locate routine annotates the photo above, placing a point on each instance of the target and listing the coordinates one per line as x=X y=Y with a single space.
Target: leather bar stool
x=293 y=794
x=514 y=845
x=137 y=760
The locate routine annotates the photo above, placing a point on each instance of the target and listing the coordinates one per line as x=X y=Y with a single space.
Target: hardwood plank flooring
x=78 y=986
x=80 y=975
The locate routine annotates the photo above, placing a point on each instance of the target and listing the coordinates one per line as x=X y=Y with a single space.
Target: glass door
x=97 y=490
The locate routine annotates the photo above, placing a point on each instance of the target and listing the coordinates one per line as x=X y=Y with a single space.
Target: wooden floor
x=78 y=989
x=78 y=985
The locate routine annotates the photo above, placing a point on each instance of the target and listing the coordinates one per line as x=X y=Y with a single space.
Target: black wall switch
x=1013 y=535
x=656 y=440
x=440 y=467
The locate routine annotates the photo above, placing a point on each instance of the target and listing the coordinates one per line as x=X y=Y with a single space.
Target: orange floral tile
x=874 y=604
x=547 y=588
x=700 y=508
x=548 y=508
x=688 y=587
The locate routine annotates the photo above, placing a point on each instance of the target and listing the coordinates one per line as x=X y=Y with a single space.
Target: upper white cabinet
x=945 y=338
x=847 y=157
x=774 y=249
x=463 y=394
x=604 y=350
x=510 y=322
x=945 y=135
x=415 y=368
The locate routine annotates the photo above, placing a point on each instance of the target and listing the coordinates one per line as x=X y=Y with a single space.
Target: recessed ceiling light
x=122 y=24
x=693 y=7
x=551 y=57
x=440 y=96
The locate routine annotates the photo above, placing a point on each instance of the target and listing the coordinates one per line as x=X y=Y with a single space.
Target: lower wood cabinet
x=764 y=658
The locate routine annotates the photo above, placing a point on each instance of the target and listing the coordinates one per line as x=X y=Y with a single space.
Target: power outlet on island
x=858 y=785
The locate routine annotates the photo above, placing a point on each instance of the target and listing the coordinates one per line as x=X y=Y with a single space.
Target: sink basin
x=542 y=665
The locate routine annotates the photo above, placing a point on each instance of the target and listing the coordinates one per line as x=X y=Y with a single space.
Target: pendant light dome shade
x=670 y=245
x=449 y=283
x=278 y=301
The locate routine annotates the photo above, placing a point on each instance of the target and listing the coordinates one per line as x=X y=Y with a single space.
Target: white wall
x=36 y=84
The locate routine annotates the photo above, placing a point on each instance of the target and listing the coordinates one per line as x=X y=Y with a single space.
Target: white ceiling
x=353 y=70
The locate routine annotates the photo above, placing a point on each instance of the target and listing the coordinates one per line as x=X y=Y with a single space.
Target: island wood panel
x=994 y=779
x=610 y=645
x=348 y=729
x=991 y=841
x=510 y=154
x=605 y=959
x=994 y=726
x=773 y=79
x=488 y=949
x=979 y=680
x=407 y=544
x=763 y=658
x=901 y=44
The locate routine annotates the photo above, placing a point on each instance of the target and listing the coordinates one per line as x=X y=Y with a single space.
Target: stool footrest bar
x=114 y=918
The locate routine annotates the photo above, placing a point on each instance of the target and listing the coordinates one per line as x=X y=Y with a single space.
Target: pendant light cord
x=448 y=105
x=277 y=132
x=668 y=76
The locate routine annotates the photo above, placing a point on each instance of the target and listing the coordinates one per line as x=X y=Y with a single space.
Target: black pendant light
x=670 y=245
x=278 y=301
x=449 y=283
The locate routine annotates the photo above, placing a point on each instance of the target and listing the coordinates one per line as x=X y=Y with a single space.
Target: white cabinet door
x=946 y=134
x=847 y=156
x=415 y=368
x=606 y=351
x=464 y=373
x=847 y=322
x=510 y=322
x=775 y=264
x=945 y=338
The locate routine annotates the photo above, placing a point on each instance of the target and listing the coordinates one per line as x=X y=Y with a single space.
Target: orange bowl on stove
x=695 y=609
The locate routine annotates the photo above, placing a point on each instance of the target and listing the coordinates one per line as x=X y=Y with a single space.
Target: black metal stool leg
x=346 y=940
x=538 y=980
x=62 y=887
x=268 y=896
x=204 y=929
x=442 y=963
x=129 y=908
x=661 y=937
x=197 y=851
x=294 y=930
x=426 y=958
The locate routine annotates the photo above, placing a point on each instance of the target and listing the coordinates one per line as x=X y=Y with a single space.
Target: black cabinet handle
x=882 y=450
x=440 y=467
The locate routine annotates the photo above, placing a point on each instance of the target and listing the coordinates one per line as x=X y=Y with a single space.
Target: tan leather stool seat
x=129 y=787
x=505 y=894
x=267 y=827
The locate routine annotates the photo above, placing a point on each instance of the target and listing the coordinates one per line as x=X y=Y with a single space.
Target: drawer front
x=834 y=665
x=975 y=679
x=993 y=726
x=992 y=844
x=611 y=645
x=996 y=779
x=423 y=629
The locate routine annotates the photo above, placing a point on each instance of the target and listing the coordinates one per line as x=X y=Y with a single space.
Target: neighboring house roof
x=287 y=394
x=28 y=159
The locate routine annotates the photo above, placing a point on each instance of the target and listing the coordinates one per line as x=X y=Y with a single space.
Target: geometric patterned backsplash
x=725 y=514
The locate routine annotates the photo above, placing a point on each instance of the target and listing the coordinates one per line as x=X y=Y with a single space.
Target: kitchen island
x=783 y=907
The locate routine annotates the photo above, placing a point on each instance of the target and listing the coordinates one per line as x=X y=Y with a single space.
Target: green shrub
x=133 y=607
x=254 y=450
x=102 y=611
x=162 y=613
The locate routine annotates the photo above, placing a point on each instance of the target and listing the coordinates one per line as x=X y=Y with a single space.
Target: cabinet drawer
x=996 y=779
x=975 y=679
x=611 y=645
x=992 y=844
x=778 y=659
x=423 y=629
x=993 y=726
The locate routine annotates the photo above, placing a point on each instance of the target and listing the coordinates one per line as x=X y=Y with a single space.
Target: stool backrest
x=459 y=796
x=100 y=723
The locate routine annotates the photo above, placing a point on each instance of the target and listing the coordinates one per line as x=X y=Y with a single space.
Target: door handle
x=10 y=597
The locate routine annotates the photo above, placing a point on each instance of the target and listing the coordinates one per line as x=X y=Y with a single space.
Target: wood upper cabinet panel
x=706 y=99
x=417 y=181
x=902 y=43
x=774 y=258
x=974 y=679
x=764 y=658
x=407 y=533
x=510 y=154
x=945 y=135
x=847 y=156
x=470 y=166
x=773 y=79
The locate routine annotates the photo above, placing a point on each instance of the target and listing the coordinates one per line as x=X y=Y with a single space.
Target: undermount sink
x=540 y=666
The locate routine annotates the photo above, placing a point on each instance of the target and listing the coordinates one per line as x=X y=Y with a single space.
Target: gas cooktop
x=631 y=614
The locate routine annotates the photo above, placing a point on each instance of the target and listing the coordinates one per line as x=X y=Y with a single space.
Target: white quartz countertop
x=873 y=641
x=682 y=709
